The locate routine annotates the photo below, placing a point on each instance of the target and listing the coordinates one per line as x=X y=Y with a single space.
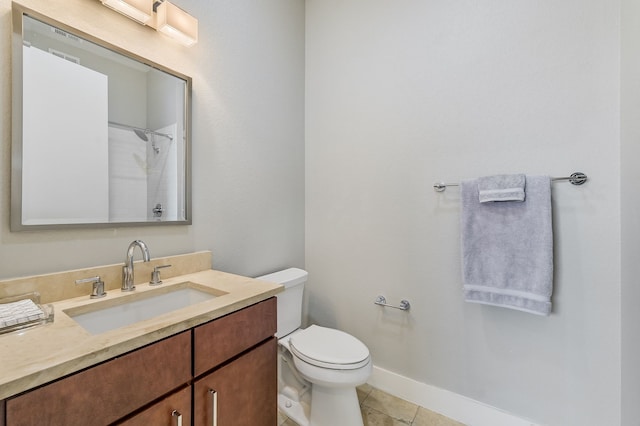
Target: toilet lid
x=329 y=348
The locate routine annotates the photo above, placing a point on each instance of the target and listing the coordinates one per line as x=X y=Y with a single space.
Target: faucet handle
x=155 y=275
x=97 y=290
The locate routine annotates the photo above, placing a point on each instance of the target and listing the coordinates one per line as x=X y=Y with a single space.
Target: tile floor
x=381 y=409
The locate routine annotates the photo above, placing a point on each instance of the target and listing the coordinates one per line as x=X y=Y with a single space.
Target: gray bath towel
x=507 y=248
x=501 y=188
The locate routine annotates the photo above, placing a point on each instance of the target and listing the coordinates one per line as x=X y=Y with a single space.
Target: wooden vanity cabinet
x=235 y=356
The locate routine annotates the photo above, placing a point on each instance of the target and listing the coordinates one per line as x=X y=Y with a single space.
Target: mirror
x=100 y=136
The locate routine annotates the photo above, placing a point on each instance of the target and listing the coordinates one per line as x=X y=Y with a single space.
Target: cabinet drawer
x=161 y=413
x=226 y=337
x=108 y=391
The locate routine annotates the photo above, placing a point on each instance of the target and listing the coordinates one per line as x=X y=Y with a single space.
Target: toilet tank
x=290 y=300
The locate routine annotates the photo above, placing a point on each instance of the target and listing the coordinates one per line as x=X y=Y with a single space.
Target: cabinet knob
x=176 y=414
x=214 y=407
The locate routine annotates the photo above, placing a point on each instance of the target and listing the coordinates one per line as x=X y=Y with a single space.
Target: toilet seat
x=329 y=348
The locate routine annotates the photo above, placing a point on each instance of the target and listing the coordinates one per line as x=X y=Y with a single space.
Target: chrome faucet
x=127 y=270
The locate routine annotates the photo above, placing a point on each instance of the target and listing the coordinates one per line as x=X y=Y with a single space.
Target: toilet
x=318 y=367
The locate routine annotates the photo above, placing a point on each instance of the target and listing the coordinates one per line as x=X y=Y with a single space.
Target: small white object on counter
x=19 y=312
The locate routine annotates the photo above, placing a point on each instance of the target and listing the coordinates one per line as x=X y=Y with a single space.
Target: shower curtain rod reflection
x=577 y=178
x=140 y=129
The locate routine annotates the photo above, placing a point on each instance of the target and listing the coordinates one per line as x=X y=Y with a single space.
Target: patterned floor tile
x=429 y=418
x=373 y=417
x=394 y=407
x=381 y=409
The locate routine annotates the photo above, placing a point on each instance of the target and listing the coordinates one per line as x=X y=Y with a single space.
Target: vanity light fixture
x=138 y=10
x=161 y=15
x=176 y=23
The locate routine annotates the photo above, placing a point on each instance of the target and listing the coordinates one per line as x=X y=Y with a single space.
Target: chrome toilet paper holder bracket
x=382 y=301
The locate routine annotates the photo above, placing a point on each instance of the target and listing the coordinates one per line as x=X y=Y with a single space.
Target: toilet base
x=329 y=407
x=297 y=411
x=332 y=406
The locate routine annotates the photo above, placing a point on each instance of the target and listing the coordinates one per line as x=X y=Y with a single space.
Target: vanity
x=212 y=362
x=192 y=347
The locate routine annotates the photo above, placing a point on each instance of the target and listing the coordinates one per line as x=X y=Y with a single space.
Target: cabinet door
x=174 y=410
x=108 y=391
x=246 y=391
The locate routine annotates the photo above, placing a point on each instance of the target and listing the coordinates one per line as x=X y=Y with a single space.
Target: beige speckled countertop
x=39 y=355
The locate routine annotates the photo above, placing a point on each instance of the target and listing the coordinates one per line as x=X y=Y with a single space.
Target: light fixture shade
x=177 y=24
x=138 y=10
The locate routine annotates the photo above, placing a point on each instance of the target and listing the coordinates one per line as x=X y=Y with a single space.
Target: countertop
x=35 y=356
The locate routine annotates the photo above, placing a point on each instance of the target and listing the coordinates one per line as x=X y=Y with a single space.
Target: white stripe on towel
x=501 y=191
x=507 y=292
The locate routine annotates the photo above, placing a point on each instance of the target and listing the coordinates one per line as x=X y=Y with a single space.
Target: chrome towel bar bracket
x=404 y=304
x=577 y=178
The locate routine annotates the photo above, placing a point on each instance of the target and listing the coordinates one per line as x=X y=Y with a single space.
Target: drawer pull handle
x=214 y=407
x=176 y=413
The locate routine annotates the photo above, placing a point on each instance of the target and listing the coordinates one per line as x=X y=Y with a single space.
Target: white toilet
x=324 y=362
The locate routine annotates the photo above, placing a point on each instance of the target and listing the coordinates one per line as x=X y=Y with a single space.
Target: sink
x=107 y=315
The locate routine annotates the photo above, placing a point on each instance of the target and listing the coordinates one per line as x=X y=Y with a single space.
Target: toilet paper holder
x=404 y=304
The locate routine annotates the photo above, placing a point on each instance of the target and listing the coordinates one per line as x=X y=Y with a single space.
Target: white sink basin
x=114 y=314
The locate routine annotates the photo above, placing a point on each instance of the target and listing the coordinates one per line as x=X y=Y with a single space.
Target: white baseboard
x=450 y=404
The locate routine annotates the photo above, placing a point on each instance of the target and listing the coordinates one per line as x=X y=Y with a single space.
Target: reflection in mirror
x=100 y=136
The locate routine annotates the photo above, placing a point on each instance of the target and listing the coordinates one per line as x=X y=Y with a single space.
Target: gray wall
x=630 y=210
x=403 y=94
x=248 y=139
x=249 y=197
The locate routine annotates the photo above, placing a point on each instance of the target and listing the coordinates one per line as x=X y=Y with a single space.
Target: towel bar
x=404 y=304
x=577 y=178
